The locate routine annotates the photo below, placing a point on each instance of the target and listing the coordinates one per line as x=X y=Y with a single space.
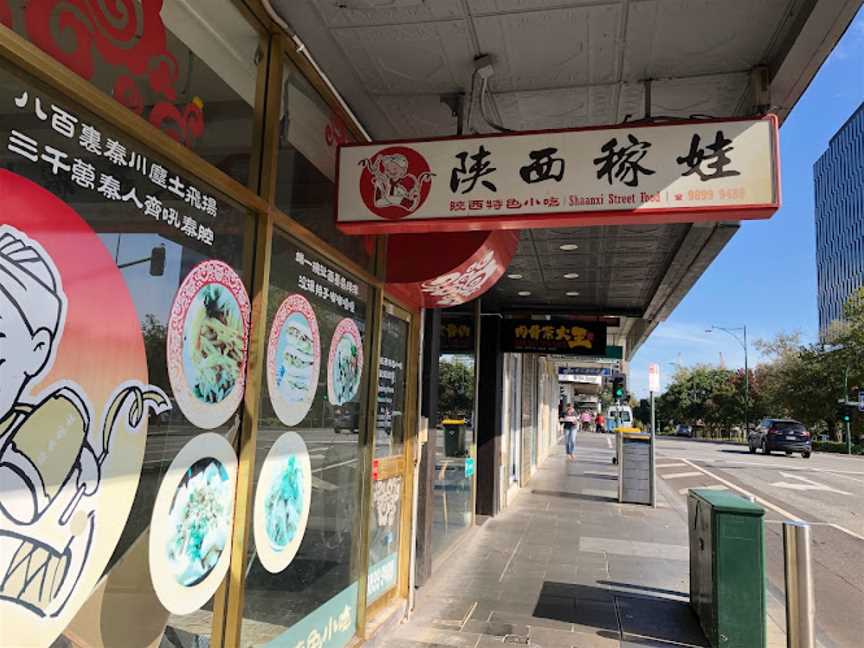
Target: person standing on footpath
x=570 y=420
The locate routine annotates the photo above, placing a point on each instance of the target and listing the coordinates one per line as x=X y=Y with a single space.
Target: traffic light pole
x=845 y=397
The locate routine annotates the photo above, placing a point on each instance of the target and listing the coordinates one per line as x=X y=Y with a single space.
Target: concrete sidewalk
x=564 y=566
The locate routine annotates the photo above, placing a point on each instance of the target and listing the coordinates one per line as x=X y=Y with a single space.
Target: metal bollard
x=800 y=602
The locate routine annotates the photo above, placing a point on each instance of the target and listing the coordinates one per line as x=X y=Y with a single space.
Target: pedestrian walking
x=570 y=420
x=586 y=420
x=600 y=423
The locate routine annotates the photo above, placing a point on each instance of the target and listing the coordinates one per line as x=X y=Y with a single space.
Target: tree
x=455 y=389
x=155 y=339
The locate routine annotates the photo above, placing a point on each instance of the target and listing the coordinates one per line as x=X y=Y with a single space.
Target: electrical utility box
x=727 y=568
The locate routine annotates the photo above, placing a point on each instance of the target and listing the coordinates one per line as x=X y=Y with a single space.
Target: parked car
x=683 y=430
x=783 y=435
x=346 y=418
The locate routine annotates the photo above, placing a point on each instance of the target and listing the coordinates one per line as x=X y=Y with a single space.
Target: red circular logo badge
x=395 y=182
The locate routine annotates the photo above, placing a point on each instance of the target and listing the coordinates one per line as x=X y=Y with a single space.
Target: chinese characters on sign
x=82 y=168
x=641 y=173
x=457 y=335
x=389 y=375
x=555 y=336
x=315 y=285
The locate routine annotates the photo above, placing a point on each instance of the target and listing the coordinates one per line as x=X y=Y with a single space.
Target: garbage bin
x=727 y=567
x=454 y=437
x=633 y=456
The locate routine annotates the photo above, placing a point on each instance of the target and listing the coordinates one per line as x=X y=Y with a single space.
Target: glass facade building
x=839 y=183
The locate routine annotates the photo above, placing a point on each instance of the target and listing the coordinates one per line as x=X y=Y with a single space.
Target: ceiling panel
x=667 y=38
x=411 y=59
x=356 y=13
x=578 y=47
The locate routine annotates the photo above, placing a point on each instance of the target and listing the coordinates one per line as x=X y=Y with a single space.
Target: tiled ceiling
x=569 y=64
x=618 y=268
x=558 y=63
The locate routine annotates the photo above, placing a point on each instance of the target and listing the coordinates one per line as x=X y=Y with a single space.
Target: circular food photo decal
x=190 y=532
x=282 y=501
x=208 y=335
x=345 y=363
x=293 y=359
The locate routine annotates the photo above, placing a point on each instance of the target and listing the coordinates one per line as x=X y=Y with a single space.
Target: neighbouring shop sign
x=457 y=335
x=658 y=173
x=555 y=336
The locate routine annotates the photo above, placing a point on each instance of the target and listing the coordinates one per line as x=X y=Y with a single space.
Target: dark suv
x=784 y=435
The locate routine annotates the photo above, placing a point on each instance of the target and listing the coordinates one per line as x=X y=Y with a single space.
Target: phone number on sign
x=736 y=193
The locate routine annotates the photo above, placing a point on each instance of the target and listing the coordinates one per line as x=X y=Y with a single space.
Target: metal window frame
x=257 y=198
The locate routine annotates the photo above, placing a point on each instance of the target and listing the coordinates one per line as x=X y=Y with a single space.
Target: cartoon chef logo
x=72 y=418
x=395 y=182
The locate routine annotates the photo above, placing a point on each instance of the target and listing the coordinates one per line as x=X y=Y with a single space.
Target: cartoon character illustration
x=394 y=185
x=52 y=452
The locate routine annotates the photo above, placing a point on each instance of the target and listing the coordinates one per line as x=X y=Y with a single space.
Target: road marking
x=680 y=475
x=845 y=530
x=609 y=442
x=670 y=465
x=745 y=492
x=601 y=473
x=718 y=487
x=807 y=485
x=468 y=616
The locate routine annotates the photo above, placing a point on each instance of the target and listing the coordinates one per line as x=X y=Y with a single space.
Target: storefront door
x=389 y=523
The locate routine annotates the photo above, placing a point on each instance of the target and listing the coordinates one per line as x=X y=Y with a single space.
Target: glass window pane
x=384 y=525
x=305 y=188
x=390 y=418
x=187 y=66
x=302 y=562
x=125 y=283
x=452 y=478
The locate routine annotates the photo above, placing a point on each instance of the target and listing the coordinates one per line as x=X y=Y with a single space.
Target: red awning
x=439 y=270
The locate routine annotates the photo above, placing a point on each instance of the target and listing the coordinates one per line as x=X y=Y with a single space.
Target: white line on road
x=765 y=502
x=845 y=530
x=608 y=442
x=746 y=493
x=806 y=485
x=679 y=475
x=670 y=465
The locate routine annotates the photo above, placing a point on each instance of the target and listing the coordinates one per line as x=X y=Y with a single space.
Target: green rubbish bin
x=727 y=568
x=454 y=437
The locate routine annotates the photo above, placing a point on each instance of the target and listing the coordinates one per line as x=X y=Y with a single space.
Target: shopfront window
x=390 y=416
x=454 y=465
x=310 y=133
x=385 y=516
x=125 y=321
x=189 y=67
x=302 y=562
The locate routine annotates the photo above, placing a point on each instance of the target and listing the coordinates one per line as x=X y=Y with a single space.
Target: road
x=826 y=490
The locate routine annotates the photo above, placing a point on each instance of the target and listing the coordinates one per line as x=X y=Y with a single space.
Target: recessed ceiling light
x=567 y=247
x=571 y=275
x=524 y=293
x=514 y=276
x=572 y=293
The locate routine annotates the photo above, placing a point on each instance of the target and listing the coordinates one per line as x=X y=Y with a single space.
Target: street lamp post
x=732 y=331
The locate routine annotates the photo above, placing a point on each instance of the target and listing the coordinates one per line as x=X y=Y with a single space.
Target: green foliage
x=837 y=447
x=798 y=381
x=455 y=389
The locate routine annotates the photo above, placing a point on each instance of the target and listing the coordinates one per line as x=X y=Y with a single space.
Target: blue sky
x=766 y=276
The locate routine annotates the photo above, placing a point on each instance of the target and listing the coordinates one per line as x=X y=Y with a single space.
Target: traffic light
x=618 y=387
x=157 y=261
x=845 y=412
